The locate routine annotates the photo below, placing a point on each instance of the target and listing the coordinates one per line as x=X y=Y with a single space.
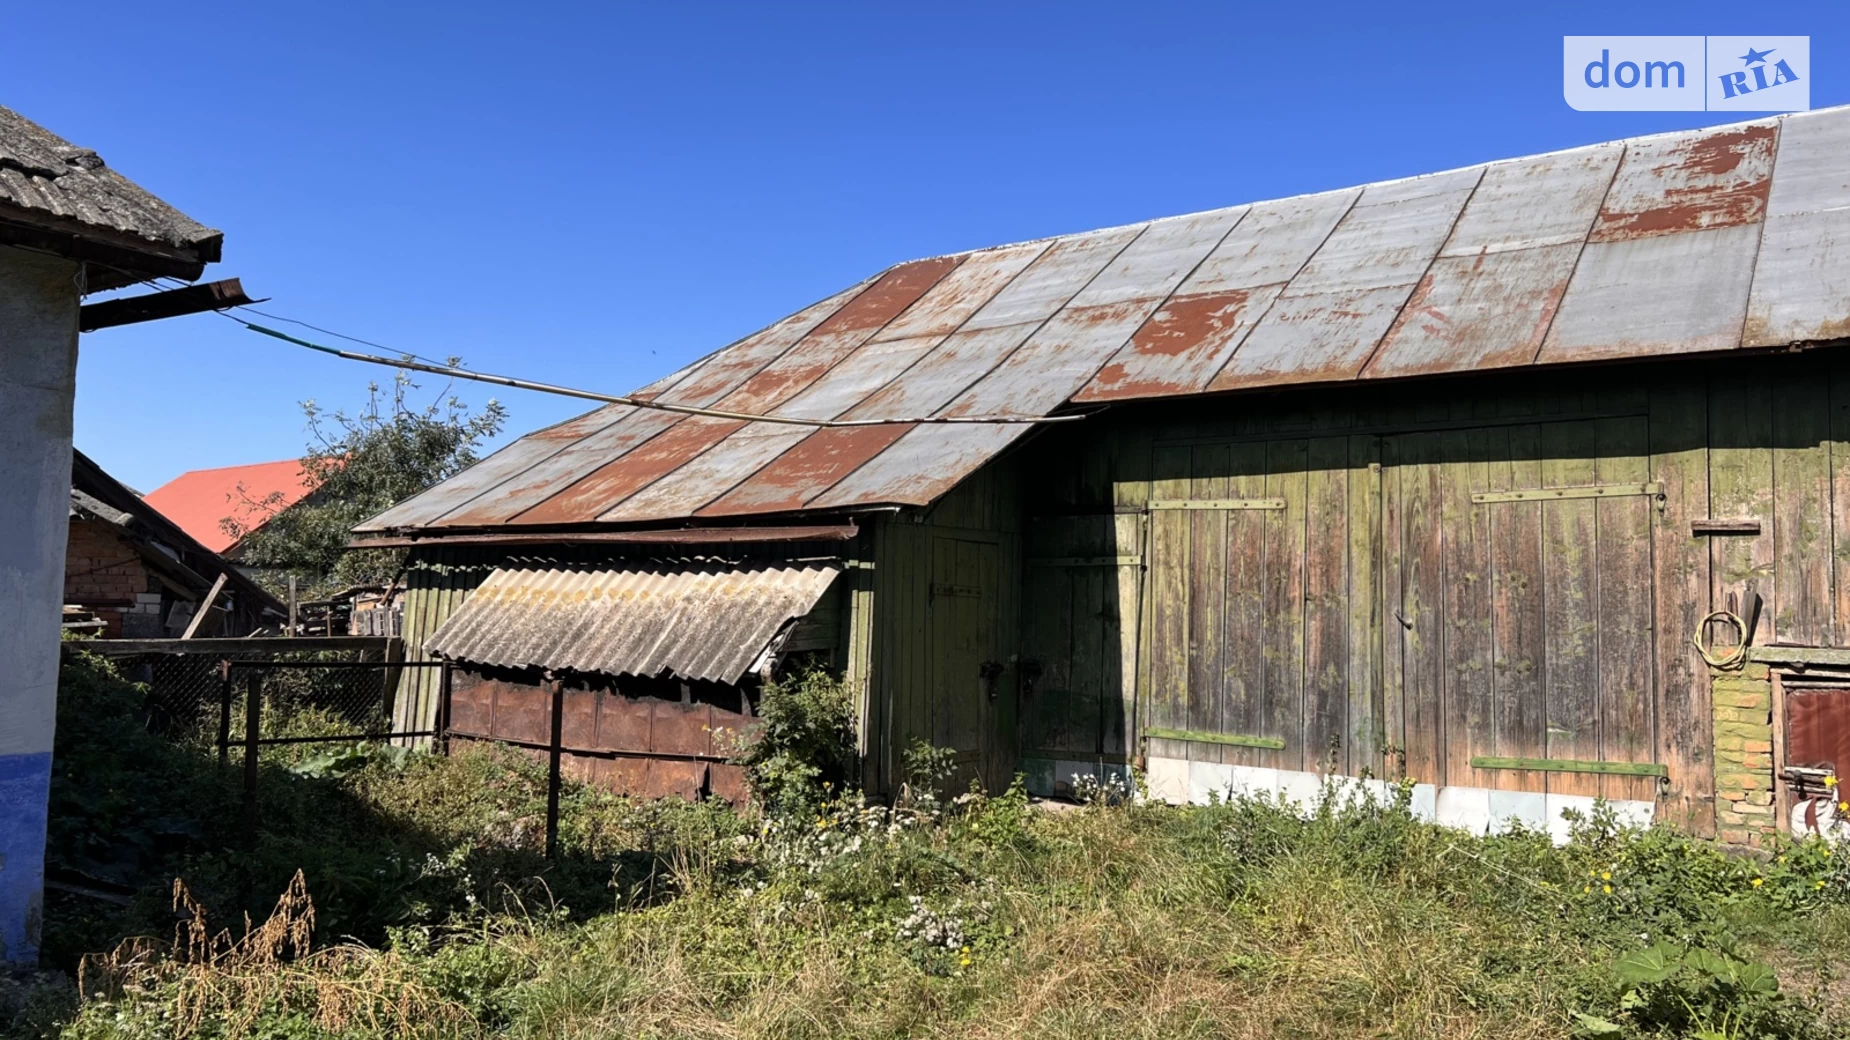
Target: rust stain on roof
x=1690 y=182
x=630 y=472
x=1646 y=247
x=806 y=470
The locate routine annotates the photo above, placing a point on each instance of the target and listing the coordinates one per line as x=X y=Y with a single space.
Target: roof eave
x=116 y=258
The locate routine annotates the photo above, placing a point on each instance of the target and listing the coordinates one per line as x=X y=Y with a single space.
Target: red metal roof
x=200 y=500
x=1682 y=242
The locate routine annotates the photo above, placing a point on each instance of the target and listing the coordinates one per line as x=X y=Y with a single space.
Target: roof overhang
x=703 y=622
x=836 y=532
x=116 y=258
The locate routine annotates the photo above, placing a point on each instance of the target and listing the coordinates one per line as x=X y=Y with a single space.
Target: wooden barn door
x=965 y=617
x=1260 y=646
x=1519 y=603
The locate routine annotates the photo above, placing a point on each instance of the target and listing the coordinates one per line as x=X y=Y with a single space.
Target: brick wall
x=1743 y=718
x=102 y=572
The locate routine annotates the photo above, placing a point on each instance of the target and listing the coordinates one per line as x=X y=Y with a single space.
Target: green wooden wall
x=1363 y=587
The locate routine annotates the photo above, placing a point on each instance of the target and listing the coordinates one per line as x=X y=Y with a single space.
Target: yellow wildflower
x=1757 y=882
x=1843 y=806
x=1586 y=890
x=1606 y=888
x=1819 y=885
x=1831 y=781
x=1605 y=875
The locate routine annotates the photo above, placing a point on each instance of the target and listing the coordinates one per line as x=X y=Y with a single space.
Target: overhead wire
x=417 y=363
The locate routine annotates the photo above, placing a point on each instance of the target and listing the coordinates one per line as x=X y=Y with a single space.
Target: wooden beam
x=172 y=303
x=199 y=612
x=678 y=536
x=1203 y=737
x=1570 y=765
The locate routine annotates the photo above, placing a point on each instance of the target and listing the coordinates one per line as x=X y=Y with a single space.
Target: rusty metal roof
x=1703 y=240
x=699 y=622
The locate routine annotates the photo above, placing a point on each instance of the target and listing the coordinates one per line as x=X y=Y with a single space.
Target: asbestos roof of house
x=51 y=181
x=200 y=501
x=706 y=621
x=1692 y=242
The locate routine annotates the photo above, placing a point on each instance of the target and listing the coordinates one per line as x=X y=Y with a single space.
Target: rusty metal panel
x=548 y=477
x=622 y=477
x=862 y=373
x=1191 y=336
x=962 y=292
x=1388 y=238
x=921 y=466
x=708 y=475
x=1544 y=200
x=1052 y=279
x=722 y=371
x=1802 y=283
x=1328 y=321
x=964 y=357
x=807 y=470
x=1664 y=294
x=1307 y=339
x=516 y=458
x=1492 y=294
x=1691 y=181
x=1065 y=352
x=1490 y=310
x=1818 y=728
x=709 y=623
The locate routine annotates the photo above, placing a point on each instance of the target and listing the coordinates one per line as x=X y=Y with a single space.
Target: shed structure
x=1433 y=478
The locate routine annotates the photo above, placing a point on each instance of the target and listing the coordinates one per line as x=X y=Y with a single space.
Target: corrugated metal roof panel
x=1638 y=248
x=710 y=623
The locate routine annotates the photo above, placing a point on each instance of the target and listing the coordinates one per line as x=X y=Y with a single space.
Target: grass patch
x=975 y=916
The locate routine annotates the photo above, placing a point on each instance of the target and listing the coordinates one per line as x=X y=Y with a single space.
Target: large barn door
x=1261 y=646
x=1518 y=590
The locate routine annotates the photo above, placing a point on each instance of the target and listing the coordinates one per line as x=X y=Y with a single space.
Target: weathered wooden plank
x=1207 y=587
x=1680 y=567
x=1119 y=699
x=1570 y=599
x=1801 y=434
x=1287 y=477
x=1422 y=597
x=1200 y=736
x=1243 y=680
x=1393 y=644
x=1839 y=454
x=1568 y=765
x=1469 y=707
x=1628 y=724
x=1326 y=572
x=1363 y=603
x=1741 y=485
x=1047 y=611
x=1166 y=698
x=1091 y=636
x=1521 y=720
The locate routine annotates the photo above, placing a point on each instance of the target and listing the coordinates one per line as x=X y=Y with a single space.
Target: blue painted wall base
x=25 y=786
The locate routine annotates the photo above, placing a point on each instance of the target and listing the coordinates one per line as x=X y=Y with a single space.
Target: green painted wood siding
x=1386 y=619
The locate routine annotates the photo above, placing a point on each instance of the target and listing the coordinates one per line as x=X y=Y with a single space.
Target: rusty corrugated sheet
x=708 y=623
x=1640 y=248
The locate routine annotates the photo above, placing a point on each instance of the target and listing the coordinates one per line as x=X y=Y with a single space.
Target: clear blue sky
x=597 y=194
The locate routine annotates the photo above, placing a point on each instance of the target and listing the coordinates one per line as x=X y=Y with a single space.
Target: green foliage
x=363 y=463
x=803 y=745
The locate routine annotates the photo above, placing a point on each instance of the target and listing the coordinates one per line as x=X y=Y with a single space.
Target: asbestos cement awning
x=698 y=622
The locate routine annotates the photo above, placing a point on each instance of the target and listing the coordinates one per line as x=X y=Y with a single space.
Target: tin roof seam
x=1766 y=217
x=1400 y=313
x=1273 y=302
x=1581 y=252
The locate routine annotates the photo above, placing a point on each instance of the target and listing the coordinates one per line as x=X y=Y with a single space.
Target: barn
x=1518 y=482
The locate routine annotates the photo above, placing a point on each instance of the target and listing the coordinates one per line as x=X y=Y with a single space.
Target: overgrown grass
x=979 y=916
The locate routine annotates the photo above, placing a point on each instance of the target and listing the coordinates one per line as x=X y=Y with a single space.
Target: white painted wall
x=39 y=297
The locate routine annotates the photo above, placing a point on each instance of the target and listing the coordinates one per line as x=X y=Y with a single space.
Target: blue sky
x=595 y=194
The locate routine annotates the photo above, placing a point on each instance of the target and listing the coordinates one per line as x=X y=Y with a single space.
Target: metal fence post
x=552 y=772
x=443 y=709
x=253 y=708
x=224 y=714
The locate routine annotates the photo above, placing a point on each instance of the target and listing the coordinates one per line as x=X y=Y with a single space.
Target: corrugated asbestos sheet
x=1703 y=240
x=697 y=623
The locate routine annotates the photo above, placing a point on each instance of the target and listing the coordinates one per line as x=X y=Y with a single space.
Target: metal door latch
x=990 y=671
